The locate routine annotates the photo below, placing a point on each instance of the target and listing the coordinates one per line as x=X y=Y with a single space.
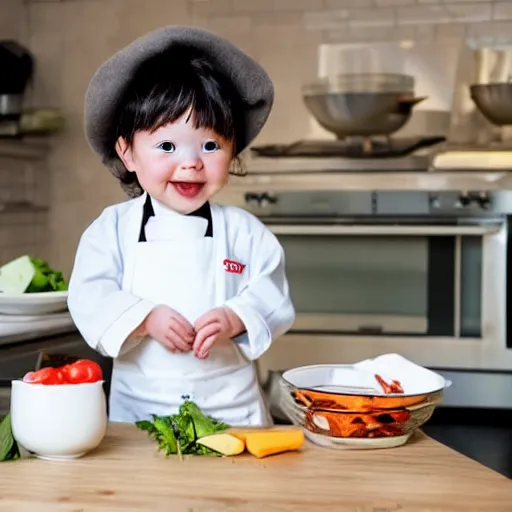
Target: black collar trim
x=148 y=211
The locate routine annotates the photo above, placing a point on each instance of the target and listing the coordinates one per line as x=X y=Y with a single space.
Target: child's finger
x=203 y=334
x=204 y=351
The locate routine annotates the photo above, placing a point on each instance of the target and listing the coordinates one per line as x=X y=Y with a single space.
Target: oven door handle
x=385 y=230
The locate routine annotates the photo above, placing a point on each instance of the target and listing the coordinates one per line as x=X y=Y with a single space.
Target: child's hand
x=170 y=328
x=219 y=323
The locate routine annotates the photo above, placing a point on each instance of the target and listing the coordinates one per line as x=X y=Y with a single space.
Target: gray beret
x=111 y=79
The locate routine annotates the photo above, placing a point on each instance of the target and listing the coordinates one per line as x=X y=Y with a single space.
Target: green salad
x=46 y=279
x=9 y=449
x=27 y=274
x=179 y=433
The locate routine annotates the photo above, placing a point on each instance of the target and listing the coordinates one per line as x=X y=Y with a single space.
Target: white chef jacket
x=106 y=312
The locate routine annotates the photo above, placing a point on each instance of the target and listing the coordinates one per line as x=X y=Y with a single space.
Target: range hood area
x=379 y=120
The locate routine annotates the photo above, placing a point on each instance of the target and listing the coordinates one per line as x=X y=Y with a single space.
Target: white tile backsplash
x=229 y=24
x=424 y=14
x=470 y=12
x=338 y=4
x=451 y=31
x=332 y=20
x=423 y=32
x=244 y=6
x=502 y=11
x=297 y=5
x=22 y=231
x=393 y=3
x=201 y=8
x=276 y=18
x=12 y=13
x=490 y=33
x=371 y=17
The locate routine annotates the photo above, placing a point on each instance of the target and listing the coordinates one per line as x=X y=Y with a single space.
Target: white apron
x=182 y=272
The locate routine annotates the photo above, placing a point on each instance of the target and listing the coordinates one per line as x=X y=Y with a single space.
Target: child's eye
x=167 y=147
x=210 y=146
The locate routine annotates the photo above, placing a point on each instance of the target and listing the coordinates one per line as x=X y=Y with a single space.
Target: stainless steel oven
x=418 y=273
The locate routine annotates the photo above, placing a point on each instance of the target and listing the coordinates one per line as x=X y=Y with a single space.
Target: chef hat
x=110 y=81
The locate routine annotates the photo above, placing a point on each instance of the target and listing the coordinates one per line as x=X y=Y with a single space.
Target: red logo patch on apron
x=233 y=266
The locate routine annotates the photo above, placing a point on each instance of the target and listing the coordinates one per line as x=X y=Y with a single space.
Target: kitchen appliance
x=329 y=158
x=422 y=274
x=348 y=148
x=16 y=69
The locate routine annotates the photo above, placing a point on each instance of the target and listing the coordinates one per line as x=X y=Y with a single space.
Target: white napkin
x=413 y=378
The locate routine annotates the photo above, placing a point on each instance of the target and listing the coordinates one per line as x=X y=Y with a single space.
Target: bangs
x=175 y=83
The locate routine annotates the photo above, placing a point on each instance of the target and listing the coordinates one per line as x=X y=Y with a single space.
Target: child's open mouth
x=187 y=188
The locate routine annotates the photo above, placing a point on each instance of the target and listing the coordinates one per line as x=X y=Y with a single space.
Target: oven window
x=471 y=286
x=384 y=284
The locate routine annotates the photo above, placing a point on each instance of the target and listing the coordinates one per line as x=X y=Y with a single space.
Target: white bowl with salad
x=59 y=413
x=29 y=286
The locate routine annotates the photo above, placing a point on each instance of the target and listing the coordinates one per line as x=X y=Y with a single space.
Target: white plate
x=14 y=328
x=33 y=303
x=23 y=319
x=330 y=378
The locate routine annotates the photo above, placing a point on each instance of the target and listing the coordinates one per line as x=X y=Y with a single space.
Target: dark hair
x=163 y=89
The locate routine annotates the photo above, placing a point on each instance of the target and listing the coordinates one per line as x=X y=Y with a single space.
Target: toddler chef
x=184 y=294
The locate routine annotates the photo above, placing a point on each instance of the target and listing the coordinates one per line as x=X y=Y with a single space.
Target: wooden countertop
x=125 y=473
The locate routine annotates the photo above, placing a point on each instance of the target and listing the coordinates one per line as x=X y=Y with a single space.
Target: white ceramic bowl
x=59 y=421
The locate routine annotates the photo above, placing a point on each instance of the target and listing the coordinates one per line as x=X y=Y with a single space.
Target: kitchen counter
x=127 y=474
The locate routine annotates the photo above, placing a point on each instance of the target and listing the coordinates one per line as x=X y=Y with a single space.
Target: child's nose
x=190 y=159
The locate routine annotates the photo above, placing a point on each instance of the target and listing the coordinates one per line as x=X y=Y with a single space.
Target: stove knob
x=484 y=201
x=267 y=200
x=435 y=202
x=463 y=201
x=252 y=199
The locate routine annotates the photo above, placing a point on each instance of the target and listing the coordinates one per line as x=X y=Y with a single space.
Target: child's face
x=179 y=165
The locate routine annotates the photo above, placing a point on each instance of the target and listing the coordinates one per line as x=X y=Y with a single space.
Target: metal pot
x=361 y=104
x=361 y=113
x=494 y=101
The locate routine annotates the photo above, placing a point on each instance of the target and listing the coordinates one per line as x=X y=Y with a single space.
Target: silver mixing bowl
x=361 y=104
x=494 y=101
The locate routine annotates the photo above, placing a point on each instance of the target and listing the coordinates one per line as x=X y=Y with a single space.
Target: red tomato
x=59 y=377
x=82 y=371
x=48 y=376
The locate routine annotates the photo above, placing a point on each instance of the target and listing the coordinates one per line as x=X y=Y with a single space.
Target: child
x=182 y=293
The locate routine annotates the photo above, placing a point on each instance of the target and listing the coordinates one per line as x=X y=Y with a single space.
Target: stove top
x=356 y=148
